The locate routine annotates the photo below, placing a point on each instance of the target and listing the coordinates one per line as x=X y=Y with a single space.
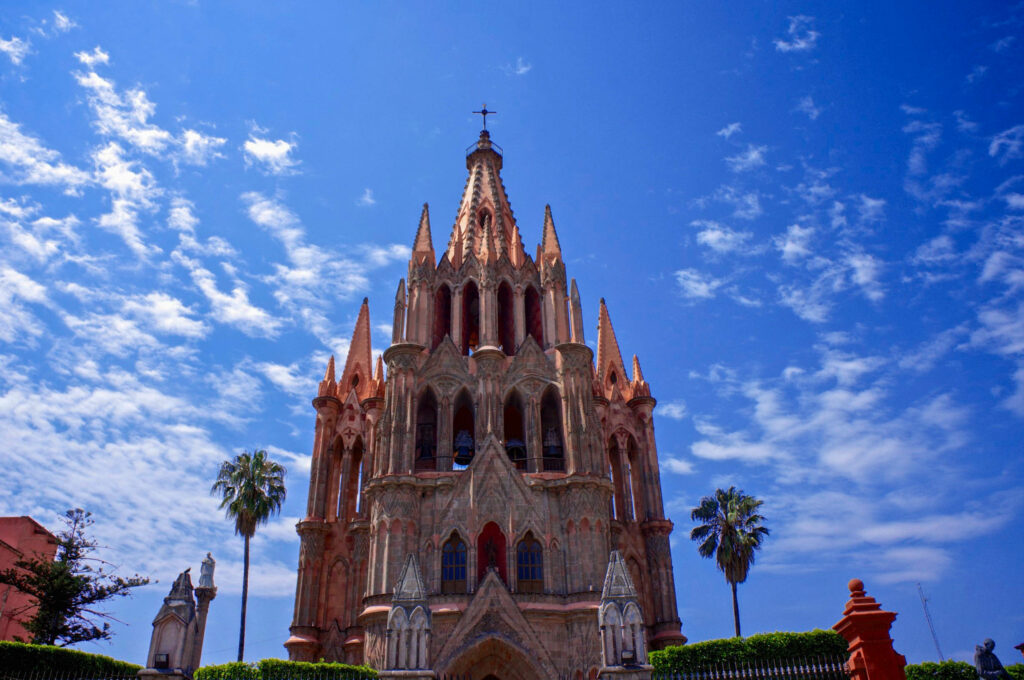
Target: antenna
x=928 y=618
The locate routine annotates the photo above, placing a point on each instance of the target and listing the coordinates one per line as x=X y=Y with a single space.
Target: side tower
x=495 y=452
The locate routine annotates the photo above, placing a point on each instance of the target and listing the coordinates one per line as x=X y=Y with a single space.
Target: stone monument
x=176 y=648
x=987 y=664
x=623 y=643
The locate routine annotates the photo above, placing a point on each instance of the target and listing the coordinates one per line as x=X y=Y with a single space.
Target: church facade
x=463 y=504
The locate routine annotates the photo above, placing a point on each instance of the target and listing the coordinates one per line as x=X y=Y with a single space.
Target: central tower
x=462 y=510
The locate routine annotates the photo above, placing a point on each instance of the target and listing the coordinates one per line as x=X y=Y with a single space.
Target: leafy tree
x=251 y=487
x=68 y=589
x=731 y=532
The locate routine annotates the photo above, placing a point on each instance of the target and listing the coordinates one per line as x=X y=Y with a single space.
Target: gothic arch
x=533 y=314
x=506 y=317
x=463 y=429
x=529 y=564
x=442 y=324
x=491 y=552
x=497 y=657
x=454 y=564
x=471 y=318
x=514 y=428
x=427 y=420
x=552 y=431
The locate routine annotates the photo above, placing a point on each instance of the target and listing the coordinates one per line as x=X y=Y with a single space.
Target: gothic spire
x=485 y=225
x=639 y=385
x=610 y=369
x=423 y=247
x=575 y=314
x=359 y=364
x=549 y=245
x=327 y=385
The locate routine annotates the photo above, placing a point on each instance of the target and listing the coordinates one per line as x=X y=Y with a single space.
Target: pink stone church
x=463 y=504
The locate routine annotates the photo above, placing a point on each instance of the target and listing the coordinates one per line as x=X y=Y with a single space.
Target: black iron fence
x=814 y=668
x=66 y=675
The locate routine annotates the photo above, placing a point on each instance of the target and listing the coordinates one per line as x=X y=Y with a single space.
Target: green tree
x=67 y=589
x=731 y=533
x=251 y=487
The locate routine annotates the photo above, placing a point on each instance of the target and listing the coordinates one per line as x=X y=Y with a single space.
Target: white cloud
x=286 y=378
x=200 y=149
x=91 y=59
x=746 y=204
x=62 y=23
x=752 y=158
x=367 y=198
x=720 y=238
x=273 y=157
x=865 y=271
x=32 y=163
x=871 y=209
x=801 y=36
x=165 y=314
x=806 y=106
x=124 y=116
x=795 y=243
x=676 y=466
x=15 y=320
x=730 y=130
x=1008 y=144
x=675 y=410
x=697 y=286
x=520 y=68
x=15 y=48
x=234 y=308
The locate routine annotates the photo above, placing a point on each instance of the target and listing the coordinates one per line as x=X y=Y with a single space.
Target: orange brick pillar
x=866 y=629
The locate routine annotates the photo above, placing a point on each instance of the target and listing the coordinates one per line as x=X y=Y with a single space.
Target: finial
x=484 y=112
x=366 y=300
x=856 y=587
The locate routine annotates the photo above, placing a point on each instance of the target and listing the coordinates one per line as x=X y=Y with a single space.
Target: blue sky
x=805 y=218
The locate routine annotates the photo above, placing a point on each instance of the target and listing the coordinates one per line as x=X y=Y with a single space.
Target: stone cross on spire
x=484 y=112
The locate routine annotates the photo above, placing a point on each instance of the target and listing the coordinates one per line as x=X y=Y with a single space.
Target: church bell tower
x=464 y=501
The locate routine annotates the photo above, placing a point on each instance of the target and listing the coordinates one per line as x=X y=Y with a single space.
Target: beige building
x=462 y=509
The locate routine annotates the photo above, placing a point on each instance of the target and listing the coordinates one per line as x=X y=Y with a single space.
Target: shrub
x=20 y=657
x=279 y=669
x=947 y=670
x=1016 y=671
x=756 y=648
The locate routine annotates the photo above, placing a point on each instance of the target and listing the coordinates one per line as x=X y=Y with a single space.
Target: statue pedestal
x=408 y=675
x=625 y=672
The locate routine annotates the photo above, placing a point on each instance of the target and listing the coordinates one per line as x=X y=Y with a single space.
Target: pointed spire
x=549 y=243
x=639 y=385
x=485 y=192
x=423 y=246
x=328 y=386
x=358 y=365
x=618 y=583
x=410 y=588
x=575 y=313
x=611 y=372
x=398 y=325
x=378 y=376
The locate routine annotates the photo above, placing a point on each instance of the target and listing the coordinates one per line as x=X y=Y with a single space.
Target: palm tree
x=252 y=489
x=731 y=532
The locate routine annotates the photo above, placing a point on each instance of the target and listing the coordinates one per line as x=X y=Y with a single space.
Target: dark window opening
x=350 y=488
x=530 y=565
x=442 y=315
x=506 y=319
x=515 y=438
x=355 y=381
x=426 y=432
x=490 y=552
x=464 y=443
x=534 y=323
x=551 y=432
x=453 y=566
x=613 y=378
x=470 y=318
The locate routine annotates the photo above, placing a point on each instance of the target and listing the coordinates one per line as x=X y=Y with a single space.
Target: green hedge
x=19 y=657
x=278 y=669
x=954 y=670
x=764 y=647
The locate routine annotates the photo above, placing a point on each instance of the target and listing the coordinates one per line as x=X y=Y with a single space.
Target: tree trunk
x=245 y=598
x=735 y=603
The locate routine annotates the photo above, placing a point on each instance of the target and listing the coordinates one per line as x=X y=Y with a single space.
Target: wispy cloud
x=675 y=410
x=800 y=35
x=729 y=130
x=806 y=106
x=271 y=156
x=367 y=199
x=752 y=157
x=519 y=68
x=720 y=238
x=15 y=48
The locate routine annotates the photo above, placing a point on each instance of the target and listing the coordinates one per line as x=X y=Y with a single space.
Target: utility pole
x=928 y=618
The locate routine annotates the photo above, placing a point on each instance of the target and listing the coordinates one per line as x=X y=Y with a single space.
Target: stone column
x=866 y=629
x=519 y=310
x=204 y=596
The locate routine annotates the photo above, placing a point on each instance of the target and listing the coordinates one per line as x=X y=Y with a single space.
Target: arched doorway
x=495 y=658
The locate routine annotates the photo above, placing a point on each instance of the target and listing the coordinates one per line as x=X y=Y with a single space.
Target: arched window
x=619 y=483
x=453 y=565
x=534 y=322
x=551 y=432
x=464 y=443
x=490 y=552
x=350 y=486
x=636 y=499
x=470 y=318
x=506 y=319
x=442 y=315
x=530 y=565
x=515 y=439
x=426 y=432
